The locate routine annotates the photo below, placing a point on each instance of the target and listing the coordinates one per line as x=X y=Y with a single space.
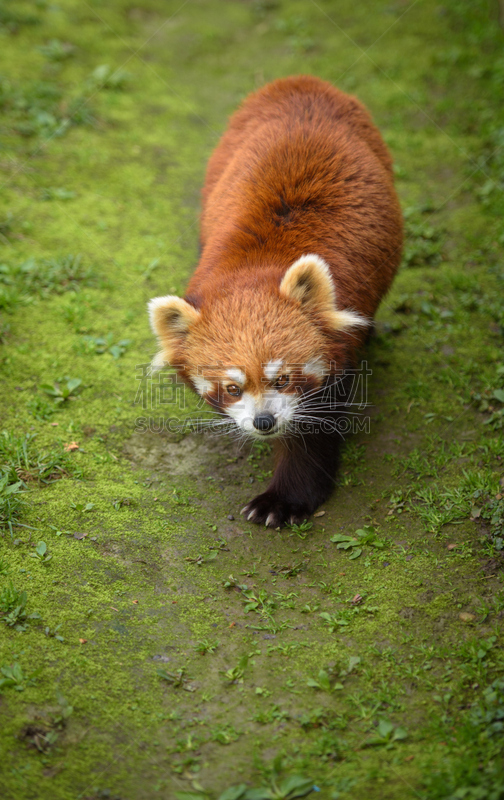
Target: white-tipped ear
x=308 y=281
x=157 y=363
x=342 y=320
x=170 y=318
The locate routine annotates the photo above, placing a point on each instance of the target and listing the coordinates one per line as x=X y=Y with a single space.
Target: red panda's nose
x=264 y=422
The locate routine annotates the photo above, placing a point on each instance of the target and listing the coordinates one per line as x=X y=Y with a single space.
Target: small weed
x=354 y=454
x=326 y=746
x=13 y=607
x=184 y=765
x=74 y=312
x=63 y=390
x=123 y=502
x=397 y=502
x=6 y=226
x=14 y=677
x=53 y=193
x=44 y=735
x=435 y=515
x=286 y=600
x=287 y=788
x=301 y=530
x=4 y=328
x=199 y=560
x=309 y=609
x=260 y=601
x=151 y=266
x=274 y=715
x=324 y=682
x=59 y=532
x=225 y=734
x=296 y=32
x=104 y=344
x=472 y=767
x=423 y=242
x=54 y=632
x=23 y=463
x=41 y=553
x=477 y=657
x=220 y=543
x=10 y=500
x=388 y=735
x=286 y=649
x=205 y=646
x=38 y=108
x=42 y=277
x=321 y=718
x=490 y=509
x=177 y=679
x=82 y=508
x=281 y=788
x=327 y=680
x=187 y=745
x=235 y=674
x=344 y=617
x=104 y=77
x=55 y=50
x=364 y=536
x=259 y=449
x=41 y=409
x=232 y=583
x=288 y=570
x=366 y=707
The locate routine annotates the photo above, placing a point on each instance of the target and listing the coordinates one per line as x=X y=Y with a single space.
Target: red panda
x=301 y=235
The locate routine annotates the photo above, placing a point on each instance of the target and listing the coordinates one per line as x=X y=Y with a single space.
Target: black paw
x=272 y=510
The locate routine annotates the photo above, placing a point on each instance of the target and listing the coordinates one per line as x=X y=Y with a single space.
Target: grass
x=21 y=464
x=21 y=460
x=21 y=283
x=153 y=642
x=13 y=605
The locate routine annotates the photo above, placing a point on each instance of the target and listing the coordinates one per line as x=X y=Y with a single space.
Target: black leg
x=304 y=477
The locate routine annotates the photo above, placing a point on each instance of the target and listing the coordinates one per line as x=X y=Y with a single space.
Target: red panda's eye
x=234 y=390
x=281 y=382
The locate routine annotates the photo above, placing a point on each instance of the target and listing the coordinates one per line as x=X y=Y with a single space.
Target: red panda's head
x=256 y=351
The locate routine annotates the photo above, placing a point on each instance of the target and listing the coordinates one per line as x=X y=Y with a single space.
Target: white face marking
x=315 y=367
x=236 y=375
x=281 y=406
x=202 y=385
x=243 y=412
x=272 y=368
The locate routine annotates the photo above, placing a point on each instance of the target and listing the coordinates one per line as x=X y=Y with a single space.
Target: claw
x=244 y=509
x=270 y=520
x=251 y=516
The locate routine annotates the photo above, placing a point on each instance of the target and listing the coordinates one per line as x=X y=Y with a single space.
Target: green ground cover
x=152 y=643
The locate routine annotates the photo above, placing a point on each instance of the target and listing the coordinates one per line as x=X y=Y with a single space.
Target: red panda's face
x=263 y=398
x=260 y=352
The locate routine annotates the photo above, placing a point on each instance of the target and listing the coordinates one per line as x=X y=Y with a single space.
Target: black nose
x=264 y=422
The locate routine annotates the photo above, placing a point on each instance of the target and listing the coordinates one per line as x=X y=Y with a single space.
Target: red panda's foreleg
x=304 y=477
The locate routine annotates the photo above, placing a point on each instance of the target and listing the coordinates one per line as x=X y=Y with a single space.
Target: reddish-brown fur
x=301 y=169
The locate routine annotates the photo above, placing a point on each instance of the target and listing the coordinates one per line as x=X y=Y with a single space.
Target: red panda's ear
x=308 y=281
x=170 y=318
